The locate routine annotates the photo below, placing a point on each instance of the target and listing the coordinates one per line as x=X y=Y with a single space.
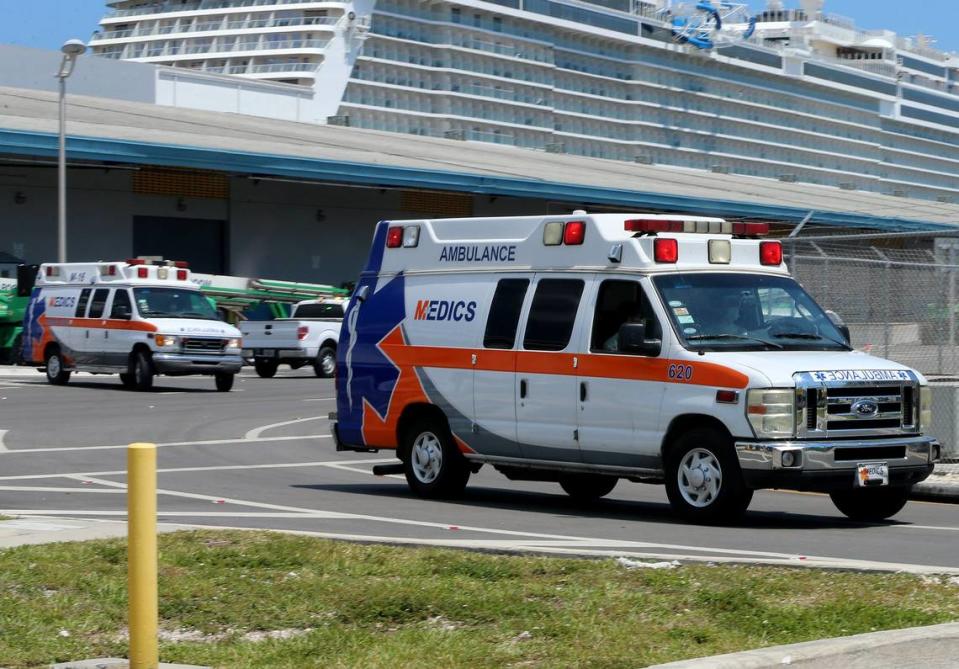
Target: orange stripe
x=595 y=365
x=102 y=324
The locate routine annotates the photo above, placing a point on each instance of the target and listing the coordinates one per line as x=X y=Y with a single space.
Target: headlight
x=234 y=343
x=925 y=408
x=166 y=341
x=771 y=412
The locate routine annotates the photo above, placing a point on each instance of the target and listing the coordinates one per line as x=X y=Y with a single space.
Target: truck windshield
x=173 y=303
x=730 y=312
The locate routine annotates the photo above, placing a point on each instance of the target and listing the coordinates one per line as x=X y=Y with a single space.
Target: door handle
x=582 y=391
x=106 y=334
x=522 y=388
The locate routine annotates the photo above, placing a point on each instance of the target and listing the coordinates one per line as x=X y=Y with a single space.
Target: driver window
x=620 y=302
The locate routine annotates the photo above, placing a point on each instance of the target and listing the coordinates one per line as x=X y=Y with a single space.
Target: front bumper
x=182 y=363
x=831 y=465
x=281 y=354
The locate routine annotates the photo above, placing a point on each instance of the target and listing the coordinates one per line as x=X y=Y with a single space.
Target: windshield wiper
x=808 y=335
x=735 y=336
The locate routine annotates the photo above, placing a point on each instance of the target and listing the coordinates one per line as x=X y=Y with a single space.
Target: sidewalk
x=942 y=485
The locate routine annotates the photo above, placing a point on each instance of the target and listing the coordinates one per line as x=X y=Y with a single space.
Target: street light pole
x=71 y=50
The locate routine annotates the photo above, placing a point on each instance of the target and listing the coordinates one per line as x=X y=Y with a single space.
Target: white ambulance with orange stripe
x=133 y=318
x=585 y=349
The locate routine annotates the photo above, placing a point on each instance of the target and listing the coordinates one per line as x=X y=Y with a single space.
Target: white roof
x=112 y=272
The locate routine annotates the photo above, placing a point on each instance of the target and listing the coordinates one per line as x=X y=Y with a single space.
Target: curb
x=935 y=491
x=847 y=651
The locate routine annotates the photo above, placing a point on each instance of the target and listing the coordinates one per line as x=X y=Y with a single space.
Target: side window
x=553 y=314
x=504 y=313
x=82 y=303
x=121 y=304
x=99 y=302
x=620 y=302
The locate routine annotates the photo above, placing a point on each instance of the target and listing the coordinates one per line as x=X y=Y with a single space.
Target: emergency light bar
x=570 y=233
x=652 y=226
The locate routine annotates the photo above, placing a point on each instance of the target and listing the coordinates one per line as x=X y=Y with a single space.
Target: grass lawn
x=257 y=599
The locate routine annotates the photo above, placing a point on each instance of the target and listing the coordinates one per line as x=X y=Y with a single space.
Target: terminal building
x=267 y=137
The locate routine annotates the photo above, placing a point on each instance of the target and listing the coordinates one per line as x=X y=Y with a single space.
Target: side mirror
x=844 y=330
x=632 y=339
x=836 y=320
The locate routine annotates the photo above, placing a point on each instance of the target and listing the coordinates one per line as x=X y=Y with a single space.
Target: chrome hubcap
x=426 y=457
x=700 y=478
x=328 y=364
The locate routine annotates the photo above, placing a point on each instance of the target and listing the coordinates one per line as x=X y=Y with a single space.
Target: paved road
x=261 y=456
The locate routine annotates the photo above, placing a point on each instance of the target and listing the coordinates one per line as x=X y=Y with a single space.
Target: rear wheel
x=434 y=467
x=588 y=487
x=325 y=362
x=16 y=351
x=143 y=372
x=871 y=505
x=265 y=369
x=56 y=371
x=224 y=382
x=703 y=480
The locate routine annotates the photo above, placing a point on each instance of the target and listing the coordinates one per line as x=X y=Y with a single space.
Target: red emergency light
x=658 y=225
x=142 y=272
x=666 y=250
x=771 y=253
x=574 y=233
x=751 y=229
x=394 y=237
x=136 y=261
x=181 y=275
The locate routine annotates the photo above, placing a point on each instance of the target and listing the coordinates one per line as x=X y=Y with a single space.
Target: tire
x=265 y=369
x=703 y=480
x=325 y=364
x=588 y=487
x=143 y=371
x=128 y=380
x=56 y=374
x=434 y=467
x=16 y=350
x=224 y=382
x=873 y=505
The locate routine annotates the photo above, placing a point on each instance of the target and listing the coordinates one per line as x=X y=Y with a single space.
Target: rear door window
x=552 y=314
x=99 y=302
x=504 y=313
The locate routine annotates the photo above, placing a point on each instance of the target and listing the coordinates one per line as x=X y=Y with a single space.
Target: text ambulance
x=133 y=318
x=588 y=348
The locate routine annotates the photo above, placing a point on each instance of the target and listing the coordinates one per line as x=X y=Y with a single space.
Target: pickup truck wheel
x=224 y=382
x=434 y=467
x=128 y=380
x=56 y=374
x=266 y=369
x=703 y=480
x=588 y=487
x=143 y=372
x=325 y=362
x=871 y=505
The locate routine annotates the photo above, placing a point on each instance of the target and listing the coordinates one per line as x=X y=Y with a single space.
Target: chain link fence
x=899 y=295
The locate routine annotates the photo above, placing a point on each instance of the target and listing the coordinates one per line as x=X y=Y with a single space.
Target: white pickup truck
x=307 y=337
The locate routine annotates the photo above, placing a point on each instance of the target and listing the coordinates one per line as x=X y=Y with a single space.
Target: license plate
x=873 y=474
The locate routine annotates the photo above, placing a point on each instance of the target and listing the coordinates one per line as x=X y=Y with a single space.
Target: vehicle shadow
x=606 y=509
x=115 y=385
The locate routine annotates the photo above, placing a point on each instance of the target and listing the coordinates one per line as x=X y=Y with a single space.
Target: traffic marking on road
x=208 y=442
x=256 y=432
x=3 y=446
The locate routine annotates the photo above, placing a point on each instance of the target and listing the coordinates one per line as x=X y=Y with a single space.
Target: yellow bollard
x=142 y=555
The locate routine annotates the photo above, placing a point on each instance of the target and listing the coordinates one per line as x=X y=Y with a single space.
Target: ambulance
x=135 y=318
x=586 y=349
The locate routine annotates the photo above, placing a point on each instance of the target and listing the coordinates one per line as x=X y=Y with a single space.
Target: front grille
x=841 y=417
x=812 y=402
x=204 y=345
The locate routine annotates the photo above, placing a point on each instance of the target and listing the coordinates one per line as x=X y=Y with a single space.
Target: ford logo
x=865 y=408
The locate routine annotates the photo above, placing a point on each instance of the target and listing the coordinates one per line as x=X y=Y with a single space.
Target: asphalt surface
x=262 y=456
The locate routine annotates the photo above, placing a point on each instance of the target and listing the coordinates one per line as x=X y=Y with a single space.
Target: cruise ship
x=800 y=96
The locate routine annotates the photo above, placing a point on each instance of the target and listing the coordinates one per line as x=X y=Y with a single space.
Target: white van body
x=585 y=348
x=130 y=318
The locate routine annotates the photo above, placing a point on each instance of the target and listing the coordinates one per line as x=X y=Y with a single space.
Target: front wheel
x=56 y=371
x=588 y=487
x=325 y=362
x=871 y=505
x=143 y=372
x=224 y=382
x=433 y=466
x=703 y=480
x=128 y=380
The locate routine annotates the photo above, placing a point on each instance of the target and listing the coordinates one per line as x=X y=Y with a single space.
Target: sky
x=49 y=23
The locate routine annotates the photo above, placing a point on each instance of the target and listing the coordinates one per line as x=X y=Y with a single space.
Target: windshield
x=173 y=303
x=729 y=312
